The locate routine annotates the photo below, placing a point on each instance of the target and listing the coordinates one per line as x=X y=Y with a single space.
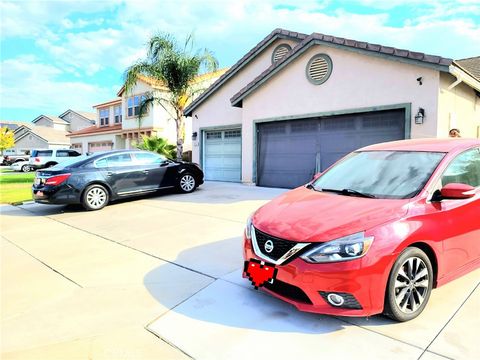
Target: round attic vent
x=280 y=52
x=319 y=69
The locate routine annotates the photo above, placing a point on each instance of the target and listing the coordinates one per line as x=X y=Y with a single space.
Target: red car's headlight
x=346 y=248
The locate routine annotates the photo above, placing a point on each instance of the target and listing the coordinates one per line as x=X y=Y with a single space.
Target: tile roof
x=159 y=85
x=117 y=100
x=49 y=134
x=14 y=125
x=328 y=40
x=55 y=119
x=92 y=130
x=277 y=33
x=471 y=65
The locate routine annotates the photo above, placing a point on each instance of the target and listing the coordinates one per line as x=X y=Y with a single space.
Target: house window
x=118 y=114
x=133 y=105
x=104 y=114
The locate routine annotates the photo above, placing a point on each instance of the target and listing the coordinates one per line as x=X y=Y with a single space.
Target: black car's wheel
x=95 y=197
x=26 y=168
x=409 y=286
x=187 y=183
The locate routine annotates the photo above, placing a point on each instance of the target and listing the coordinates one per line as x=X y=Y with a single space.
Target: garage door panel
x=290 y=152
x=222 y=159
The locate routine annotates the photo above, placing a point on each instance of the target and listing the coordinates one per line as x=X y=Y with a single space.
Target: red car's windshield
x=381 y=174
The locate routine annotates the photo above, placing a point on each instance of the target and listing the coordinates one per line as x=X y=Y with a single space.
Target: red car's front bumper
x=363 y=279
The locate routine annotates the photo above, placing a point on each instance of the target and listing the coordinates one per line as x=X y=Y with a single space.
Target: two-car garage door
x=289 y=153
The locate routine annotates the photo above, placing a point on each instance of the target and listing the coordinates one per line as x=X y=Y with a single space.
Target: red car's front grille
x=280 y=246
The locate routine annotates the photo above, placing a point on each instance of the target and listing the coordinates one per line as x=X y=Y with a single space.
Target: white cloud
x=29 y=84
x=82 y=39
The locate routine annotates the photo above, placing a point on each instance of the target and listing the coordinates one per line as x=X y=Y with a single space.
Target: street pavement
x=160 y=278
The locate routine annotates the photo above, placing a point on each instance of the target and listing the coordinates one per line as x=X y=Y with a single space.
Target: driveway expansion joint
x=127 y=246
x=43 y=263
x=449 y=320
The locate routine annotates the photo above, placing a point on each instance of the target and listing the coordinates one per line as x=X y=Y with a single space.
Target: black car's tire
x=187 y=183
x=95 y=197
x=409 y=285
x=26 y=168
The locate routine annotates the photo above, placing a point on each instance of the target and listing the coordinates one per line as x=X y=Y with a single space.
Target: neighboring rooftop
x=51 y=135
x=471 y=65
x=55 y=119
x=14 y=125
x=96 y=130
x=156 y=84
x=117 y=100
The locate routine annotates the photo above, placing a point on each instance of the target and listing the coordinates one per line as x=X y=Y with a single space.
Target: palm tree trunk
x=180 y=134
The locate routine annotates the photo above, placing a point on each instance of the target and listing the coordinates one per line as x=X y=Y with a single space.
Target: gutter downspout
x=462 y=76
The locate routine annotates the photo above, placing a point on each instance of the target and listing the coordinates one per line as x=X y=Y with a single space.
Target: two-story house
x=118 y=126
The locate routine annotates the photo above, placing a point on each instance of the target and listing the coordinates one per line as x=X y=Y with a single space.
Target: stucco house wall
x=75 y=121
x=459 y=108
x=30 y=142
x=357 y=81
x=217 y=110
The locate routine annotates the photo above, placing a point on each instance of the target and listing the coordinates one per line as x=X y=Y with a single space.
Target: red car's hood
x=311 y=216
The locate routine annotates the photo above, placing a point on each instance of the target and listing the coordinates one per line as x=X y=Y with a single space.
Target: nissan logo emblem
x=269 y=246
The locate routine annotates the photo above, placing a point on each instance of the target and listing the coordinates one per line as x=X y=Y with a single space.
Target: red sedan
x=374 y=233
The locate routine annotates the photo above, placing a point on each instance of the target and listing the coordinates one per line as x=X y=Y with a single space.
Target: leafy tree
x=7 y=139
x=158 y=145
x=175 y=67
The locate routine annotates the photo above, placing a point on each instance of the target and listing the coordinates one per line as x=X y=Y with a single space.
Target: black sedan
x=95 y=180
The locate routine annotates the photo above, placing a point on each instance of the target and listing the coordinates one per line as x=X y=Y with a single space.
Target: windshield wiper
x=311 y=187
x=350 y=192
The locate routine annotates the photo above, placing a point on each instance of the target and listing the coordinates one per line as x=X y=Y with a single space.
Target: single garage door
x=289 y=153
x=100 y=146
x=222 y=156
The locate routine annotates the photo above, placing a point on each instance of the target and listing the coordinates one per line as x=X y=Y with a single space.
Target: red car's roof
x=437 y=145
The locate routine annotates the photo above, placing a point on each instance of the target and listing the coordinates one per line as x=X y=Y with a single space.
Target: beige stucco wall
x=357 y=81
x=76 y=122
x=217 y=110
x=459 y=108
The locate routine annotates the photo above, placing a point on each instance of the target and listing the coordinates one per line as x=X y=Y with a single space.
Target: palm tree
x=176 y=68
x=158 y=145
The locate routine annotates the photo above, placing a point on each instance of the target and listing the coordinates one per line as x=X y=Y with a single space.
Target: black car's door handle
x=145 y=172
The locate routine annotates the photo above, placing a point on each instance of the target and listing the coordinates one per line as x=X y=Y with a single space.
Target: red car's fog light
x=57 y=180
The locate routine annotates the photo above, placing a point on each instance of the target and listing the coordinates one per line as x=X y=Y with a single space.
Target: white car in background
x=21 y=166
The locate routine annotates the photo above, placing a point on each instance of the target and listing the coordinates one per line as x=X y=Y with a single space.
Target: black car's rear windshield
x=383 y=174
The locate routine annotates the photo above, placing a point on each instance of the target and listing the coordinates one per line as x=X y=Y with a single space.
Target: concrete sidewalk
x=159 y=278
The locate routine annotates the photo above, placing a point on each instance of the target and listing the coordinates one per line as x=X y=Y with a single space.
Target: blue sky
x=59 y=55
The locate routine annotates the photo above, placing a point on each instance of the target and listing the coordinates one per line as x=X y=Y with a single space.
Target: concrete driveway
x=160 y=278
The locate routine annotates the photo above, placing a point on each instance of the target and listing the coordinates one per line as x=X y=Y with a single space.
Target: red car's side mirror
x=457 y=191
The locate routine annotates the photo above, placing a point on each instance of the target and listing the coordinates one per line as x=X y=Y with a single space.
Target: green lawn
x=15 y=188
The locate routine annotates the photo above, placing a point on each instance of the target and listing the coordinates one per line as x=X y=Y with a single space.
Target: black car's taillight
x=57 y=180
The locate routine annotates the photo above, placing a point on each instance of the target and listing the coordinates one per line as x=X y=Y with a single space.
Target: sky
x=59 y=55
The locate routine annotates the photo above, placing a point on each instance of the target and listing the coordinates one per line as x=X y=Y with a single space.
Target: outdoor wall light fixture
x=420 y=116
x=194 y=135
x=420 y=80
